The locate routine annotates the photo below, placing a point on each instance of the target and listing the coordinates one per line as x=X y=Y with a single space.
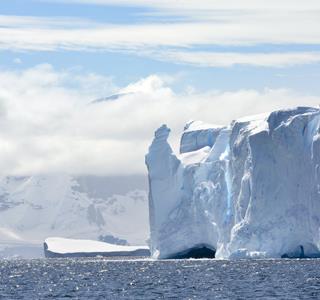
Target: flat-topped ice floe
x=62 y=247
x=249 y=189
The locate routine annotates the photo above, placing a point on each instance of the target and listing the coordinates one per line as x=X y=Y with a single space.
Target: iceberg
x=249 y=189
x=55 y=247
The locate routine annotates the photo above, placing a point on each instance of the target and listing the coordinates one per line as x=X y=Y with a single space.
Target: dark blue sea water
x=147 y=279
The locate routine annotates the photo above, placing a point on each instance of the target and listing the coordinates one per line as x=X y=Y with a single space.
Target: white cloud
x=47 y=124
x=230 y=28
x=227 y=59
x=203 y=23
x=209 y=23
x=205 y=4
x=12 y=21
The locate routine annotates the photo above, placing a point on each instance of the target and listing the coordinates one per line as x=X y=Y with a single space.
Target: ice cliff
x=250 y=189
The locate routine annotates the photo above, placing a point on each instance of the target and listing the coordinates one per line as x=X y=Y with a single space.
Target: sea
x=101 y=278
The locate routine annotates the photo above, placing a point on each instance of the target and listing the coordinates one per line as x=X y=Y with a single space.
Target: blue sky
x=110 y=14
x=126 y=65
x=180 y=60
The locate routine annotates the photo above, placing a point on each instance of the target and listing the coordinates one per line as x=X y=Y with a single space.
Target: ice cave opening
x=199 y=251
x=299 y=252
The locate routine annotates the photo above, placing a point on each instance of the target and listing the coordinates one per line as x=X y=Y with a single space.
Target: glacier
x=249 y=189
x=107 y=208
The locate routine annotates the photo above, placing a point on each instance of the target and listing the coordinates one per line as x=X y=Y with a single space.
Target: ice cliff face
x=249 y=189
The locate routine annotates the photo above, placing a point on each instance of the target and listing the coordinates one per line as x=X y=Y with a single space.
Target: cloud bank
x=49 y=124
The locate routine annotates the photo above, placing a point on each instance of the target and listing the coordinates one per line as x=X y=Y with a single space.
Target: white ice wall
x=253 y=187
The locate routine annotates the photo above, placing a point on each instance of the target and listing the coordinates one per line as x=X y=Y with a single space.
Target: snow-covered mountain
x=36 y=207
x=248 y=189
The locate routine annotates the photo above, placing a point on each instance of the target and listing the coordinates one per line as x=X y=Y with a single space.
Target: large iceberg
x=250 y=189
x=55 y=247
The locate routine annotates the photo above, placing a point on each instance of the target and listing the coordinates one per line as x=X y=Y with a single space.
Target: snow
x=250 y=189
x=194 y=156
x=65 y=246
x=199 y=125
x=9 y=235
x=35 y=207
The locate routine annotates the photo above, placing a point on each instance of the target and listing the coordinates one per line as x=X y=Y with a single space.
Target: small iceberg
x=56 y=247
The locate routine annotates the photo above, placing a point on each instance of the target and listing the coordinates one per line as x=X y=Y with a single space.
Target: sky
x=169 y=62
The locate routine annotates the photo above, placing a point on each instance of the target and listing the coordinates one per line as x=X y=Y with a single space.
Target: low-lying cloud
x=49 y=123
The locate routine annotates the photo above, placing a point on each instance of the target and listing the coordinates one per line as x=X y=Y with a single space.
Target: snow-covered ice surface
x=56 y=246
x=250 y=189
x=36 y=207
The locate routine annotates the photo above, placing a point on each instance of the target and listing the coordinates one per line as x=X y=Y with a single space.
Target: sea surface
x=168 y=279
